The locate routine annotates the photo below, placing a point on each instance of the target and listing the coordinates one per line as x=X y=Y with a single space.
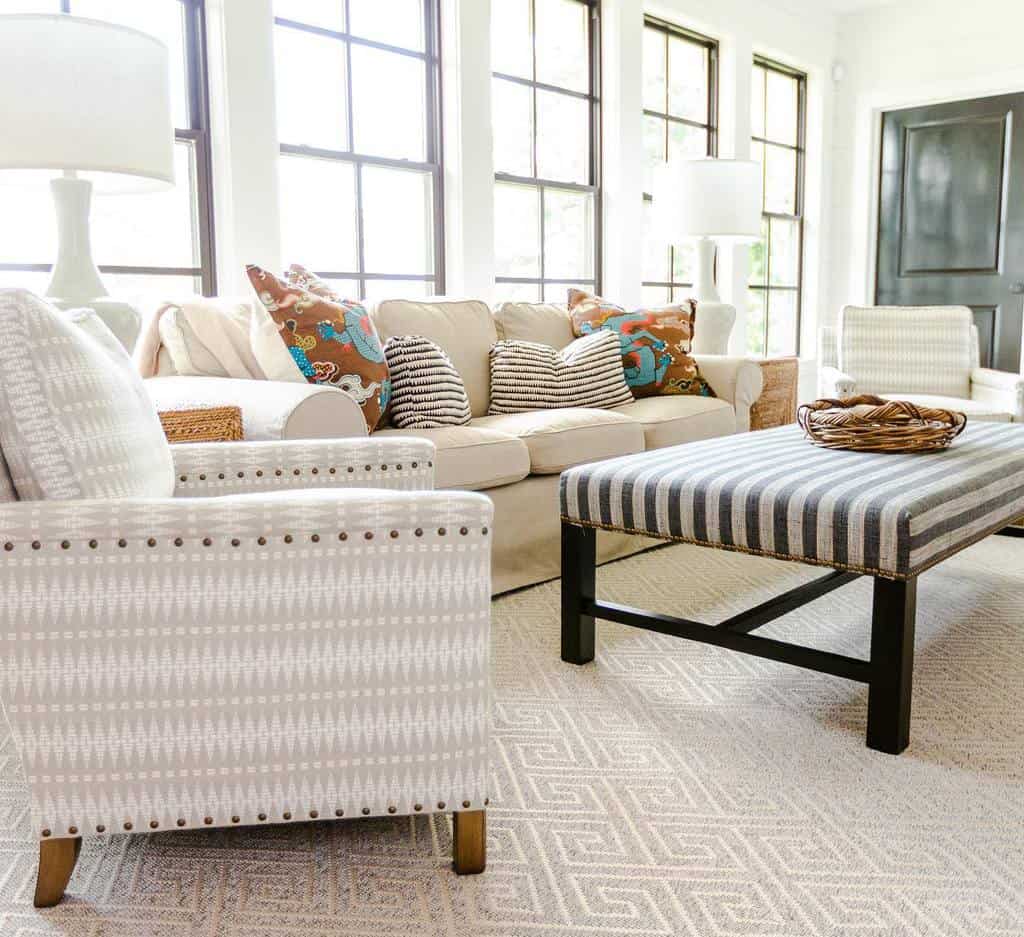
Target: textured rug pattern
x=667 y=789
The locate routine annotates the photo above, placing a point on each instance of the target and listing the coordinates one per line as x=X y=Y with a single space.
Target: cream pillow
x=75 y=420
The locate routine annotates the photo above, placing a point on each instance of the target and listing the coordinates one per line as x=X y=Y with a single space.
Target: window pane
x=389 y=99
x=377 y=290
x=330 y=14
x=563 y=138
x=147 y=290
x=655 y=129
x=513 y=127
x=782 y=322
x=397 y=220
x=782 y=108
x=518 y=292
x=33 y=240
x=759 y=257
x=757 y=103
x=318 y=213
x=568 y=223
x=511 y=38
x=686 y=142
x=655 y=251
x=785 y=251
x=755 y=322
x=780 y=180
x=517 y=230
x=31 y=6
x=559 y=292
x=655 y=295
x=164 y=19
x=395 y=22
x=310 y=73
x=562 y=48
x=684 y=263
x=654 y=70
x=155 y=229
x=688 y=80
x=20 y=279
x=346 y=289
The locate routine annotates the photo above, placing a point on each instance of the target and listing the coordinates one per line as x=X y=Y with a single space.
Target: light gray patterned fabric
x=75 y=420
x=908 y=349
x=775 y=494
x=247 y=659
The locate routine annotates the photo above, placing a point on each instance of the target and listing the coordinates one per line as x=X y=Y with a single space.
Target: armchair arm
x=1002 y=390
x=834 y=383
x=270 y=409
x=736 y=380
x=229 y=661
x=204 y=470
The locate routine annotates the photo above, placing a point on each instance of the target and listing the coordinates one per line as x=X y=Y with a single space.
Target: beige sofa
x=515 y=459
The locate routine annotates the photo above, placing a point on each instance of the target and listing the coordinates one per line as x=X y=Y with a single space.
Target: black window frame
x=711 y=128
x=800 y=148
x=434 y=164
x=593 y=96
x=197 y=134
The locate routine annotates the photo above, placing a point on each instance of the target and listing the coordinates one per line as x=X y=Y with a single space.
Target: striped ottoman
x=888 y=516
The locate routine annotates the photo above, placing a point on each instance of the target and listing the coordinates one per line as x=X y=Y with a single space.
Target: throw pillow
x=426 y=390
x=655 y=343
x=75 y=419
x=528 y=376
x=331 y=341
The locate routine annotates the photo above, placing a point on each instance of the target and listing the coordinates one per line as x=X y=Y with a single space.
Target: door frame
x=866 y=190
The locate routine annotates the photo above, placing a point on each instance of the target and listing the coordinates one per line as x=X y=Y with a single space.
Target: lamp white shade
x=712 y=198
x=80 y=95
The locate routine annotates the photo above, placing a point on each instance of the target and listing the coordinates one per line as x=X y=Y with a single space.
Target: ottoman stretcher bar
x=888 y=516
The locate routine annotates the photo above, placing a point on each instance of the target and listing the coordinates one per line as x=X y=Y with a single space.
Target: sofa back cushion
x=907 y=349
x=464 y=330
x=544 y=323
x=75 y=419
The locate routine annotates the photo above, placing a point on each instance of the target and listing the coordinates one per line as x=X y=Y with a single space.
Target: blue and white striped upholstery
x=775 y=494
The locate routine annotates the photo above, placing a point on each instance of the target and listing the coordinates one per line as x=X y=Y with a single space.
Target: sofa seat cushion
x=670 y=421
x=472 y=458
x=975 y=409
x=559 y=439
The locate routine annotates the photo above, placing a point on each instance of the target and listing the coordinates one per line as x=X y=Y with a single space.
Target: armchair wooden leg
x=57 y=858
x=469 y=852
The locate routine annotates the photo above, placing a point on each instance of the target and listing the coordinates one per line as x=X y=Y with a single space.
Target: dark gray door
x=951 y=215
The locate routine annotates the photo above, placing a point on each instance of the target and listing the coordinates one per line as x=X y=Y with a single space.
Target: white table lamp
x=712 y=200
x=86 y=105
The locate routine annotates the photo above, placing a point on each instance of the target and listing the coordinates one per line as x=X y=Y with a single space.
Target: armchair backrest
x=908 y=349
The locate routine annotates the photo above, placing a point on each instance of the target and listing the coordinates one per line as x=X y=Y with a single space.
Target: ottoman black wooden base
x=888 y=674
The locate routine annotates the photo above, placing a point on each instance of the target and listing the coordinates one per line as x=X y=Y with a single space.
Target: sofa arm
x=270 y=409
x=834 y=383
x=210 y=469
x=1002 y=390
x=736 y=380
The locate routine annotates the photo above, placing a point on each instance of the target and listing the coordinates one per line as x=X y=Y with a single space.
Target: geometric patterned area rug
x=667 y=789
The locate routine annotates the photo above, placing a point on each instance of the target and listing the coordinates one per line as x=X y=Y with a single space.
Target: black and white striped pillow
x=426 y=390
x=587 y=373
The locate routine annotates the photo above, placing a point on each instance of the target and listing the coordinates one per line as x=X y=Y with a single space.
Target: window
x=144 y=244
x=546 y=146
x=360 y=168
x=778 y=109
x=680 y=75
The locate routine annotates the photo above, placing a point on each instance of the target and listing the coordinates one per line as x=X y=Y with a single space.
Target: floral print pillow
x=332 y=340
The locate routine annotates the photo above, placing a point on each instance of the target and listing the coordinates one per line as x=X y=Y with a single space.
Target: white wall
x=907 y=53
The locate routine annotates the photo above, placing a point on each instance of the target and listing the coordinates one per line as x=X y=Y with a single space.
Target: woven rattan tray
x=205 y=424
x=871 y=424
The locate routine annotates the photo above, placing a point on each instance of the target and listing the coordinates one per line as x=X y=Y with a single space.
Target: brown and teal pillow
x=331 y=340
x=656 y=344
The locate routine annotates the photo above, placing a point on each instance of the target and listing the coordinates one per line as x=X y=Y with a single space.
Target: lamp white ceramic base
x=704 y=288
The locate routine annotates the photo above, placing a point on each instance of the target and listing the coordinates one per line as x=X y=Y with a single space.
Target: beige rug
x=667 y=789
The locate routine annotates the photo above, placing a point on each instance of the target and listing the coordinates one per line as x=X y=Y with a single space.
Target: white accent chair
x=928 y=355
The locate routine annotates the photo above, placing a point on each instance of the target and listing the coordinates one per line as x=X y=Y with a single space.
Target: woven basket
x=206 y=424
x=871 y=424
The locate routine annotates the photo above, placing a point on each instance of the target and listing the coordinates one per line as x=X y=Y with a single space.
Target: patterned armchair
x=300 y=630
x=924 y=354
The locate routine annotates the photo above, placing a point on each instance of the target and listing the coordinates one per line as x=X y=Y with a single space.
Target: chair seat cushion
x=75 y=419
x=975 y=409
x=558 y=439
x=472 y=458
x=670 y=421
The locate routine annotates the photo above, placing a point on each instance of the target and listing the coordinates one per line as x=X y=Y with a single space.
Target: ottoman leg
x=57 y=858
x=892 y=665
x=469 y=846
x=579 y=559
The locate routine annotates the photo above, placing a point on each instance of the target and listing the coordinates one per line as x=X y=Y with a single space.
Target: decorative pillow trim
x=588 y=373
x=426 y=390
